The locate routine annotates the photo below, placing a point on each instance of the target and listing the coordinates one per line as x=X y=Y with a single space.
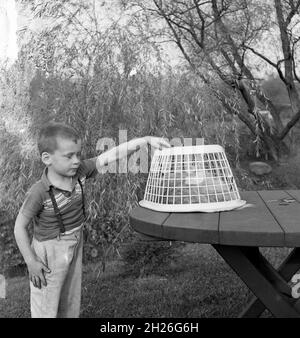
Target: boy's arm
x=35 y=266
x=127 y=148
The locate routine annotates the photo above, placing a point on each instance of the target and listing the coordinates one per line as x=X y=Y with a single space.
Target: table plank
x=287 y=215
x=148 y=222
x=192 y=227
x=251 y=225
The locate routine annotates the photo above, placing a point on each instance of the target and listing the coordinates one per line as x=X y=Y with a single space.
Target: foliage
x=110 y=200
x=18 y=170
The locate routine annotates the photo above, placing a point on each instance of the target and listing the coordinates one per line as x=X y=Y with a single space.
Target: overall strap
x=82 y=195
x=56 y=210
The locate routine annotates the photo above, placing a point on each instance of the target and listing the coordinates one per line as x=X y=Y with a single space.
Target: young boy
x=56 y=205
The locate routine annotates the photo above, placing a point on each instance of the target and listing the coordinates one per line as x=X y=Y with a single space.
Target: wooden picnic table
x=270 y=219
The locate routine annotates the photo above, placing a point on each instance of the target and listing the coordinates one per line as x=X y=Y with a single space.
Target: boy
x=56 y=204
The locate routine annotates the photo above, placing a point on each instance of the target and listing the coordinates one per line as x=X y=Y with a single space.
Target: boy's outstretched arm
x=129 y=147
x=35 y=266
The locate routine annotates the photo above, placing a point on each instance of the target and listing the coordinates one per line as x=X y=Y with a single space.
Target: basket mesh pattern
x=195 y=178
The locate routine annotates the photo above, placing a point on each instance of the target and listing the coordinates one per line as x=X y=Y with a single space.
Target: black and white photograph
x=149 y=162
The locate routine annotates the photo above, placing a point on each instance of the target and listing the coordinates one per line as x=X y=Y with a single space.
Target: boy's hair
x=47 y=139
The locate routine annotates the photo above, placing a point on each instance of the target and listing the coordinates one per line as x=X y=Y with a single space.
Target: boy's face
x=65 y=159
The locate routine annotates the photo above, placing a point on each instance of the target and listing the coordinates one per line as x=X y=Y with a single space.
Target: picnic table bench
x=270 y=219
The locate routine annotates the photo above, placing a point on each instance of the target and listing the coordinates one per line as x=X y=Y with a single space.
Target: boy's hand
x=157 y=142
x=36 y=270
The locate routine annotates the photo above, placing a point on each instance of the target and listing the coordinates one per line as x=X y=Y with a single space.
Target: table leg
x=264 y=281
x=286 y=269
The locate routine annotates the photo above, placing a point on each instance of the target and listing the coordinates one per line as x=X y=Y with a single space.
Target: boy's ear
x=46 y=158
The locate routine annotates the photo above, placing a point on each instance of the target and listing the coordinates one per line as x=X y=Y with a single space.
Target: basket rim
x=194 y=207
x=183 y=150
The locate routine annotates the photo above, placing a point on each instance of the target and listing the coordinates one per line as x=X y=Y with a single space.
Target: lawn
x=195 y=284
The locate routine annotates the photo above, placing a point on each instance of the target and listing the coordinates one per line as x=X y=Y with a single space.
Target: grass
x=197 y=284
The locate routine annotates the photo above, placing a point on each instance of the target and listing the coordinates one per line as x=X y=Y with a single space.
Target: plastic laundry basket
x=193 y=178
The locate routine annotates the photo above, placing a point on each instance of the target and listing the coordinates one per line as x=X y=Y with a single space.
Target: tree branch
x=268 y=61
x=177 y=38
x=292 y=12
x=228 y=37
x=260 y=55
x=201 y=19
x=289 y=125
x=285 y=43
x=293 y=58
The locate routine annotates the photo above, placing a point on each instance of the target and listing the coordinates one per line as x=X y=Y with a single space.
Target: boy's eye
x=71 y=155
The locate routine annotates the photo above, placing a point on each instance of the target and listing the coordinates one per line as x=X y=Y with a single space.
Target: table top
x=270 y=218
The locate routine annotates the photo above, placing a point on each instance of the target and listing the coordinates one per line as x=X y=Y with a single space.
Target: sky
x=8 y=28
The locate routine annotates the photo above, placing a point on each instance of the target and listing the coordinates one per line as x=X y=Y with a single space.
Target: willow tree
x=225 y=42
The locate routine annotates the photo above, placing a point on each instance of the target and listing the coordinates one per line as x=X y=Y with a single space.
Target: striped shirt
x=38 y=205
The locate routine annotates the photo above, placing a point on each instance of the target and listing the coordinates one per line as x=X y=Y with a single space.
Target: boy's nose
x=76 y=160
